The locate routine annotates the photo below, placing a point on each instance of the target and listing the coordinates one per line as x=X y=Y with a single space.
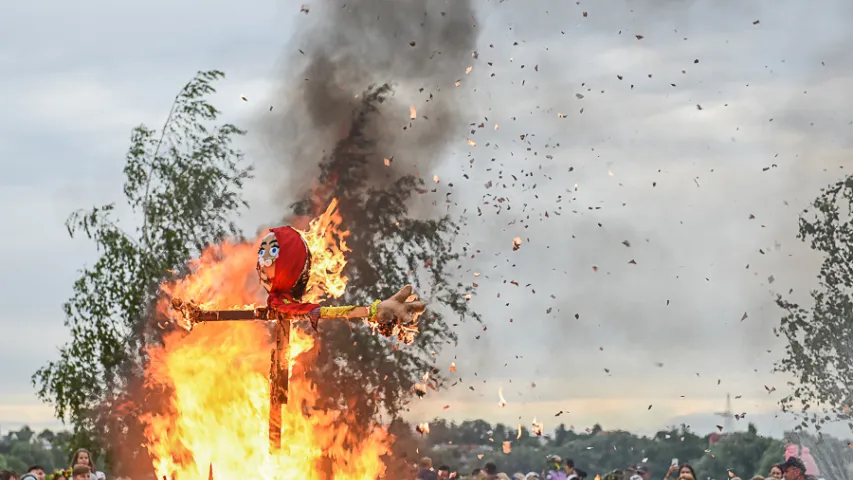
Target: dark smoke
x=420 y=47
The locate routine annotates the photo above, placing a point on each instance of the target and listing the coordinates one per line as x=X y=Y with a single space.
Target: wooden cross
x=280 y=353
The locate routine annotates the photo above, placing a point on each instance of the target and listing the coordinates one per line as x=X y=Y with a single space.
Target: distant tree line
x=22 y=448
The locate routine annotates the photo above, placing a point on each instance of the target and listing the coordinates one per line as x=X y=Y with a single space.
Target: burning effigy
x=235 y=409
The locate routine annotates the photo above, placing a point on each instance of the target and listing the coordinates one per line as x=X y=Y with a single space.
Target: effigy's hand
x=402 y=309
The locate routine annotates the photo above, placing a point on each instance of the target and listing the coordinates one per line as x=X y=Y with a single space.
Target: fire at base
x=218 y=374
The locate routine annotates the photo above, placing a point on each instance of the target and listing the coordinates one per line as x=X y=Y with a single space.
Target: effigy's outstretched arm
x=397 y=315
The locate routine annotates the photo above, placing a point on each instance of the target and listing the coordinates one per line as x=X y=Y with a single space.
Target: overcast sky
x=616 y=149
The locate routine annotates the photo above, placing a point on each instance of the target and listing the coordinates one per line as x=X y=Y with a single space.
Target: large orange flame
x=217 y=375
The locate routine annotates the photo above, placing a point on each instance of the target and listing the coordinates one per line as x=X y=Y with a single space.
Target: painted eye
x=274 y=251
x=261 y=252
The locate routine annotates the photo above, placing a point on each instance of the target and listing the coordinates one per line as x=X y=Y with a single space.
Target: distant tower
x=728 y=416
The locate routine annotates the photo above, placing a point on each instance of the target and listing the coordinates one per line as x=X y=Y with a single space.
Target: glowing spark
x=413 y=114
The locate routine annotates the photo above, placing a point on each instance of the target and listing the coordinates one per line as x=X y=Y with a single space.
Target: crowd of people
x=82 y=468
x=558 y=469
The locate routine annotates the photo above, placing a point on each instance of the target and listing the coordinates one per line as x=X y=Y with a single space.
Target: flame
x=217 y=376
x=502 y=402
x=413 y=114
x=422 y=428
x=536 y=427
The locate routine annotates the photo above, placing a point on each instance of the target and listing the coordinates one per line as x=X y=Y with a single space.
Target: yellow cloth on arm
x=335 y=312
x=373 y=310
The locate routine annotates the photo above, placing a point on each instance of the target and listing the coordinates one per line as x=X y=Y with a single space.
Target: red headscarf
x=291 y=273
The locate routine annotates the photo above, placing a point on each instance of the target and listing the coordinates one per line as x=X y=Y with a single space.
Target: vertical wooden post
x=279 y=379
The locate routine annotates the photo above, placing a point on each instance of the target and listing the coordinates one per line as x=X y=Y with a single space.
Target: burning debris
x=420 y=390
x=536 y=428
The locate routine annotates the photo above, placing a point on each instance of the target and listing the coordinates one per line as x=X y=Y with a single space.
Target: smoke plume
x=419 y=47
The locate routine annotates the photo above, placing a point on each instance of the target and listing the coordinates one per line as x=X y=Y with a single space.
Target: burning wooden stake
x=192 y=314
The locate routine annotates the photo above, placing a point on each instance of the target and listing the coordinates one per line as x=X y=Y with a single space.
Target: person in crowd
x=518 y=476
x=35 y=472
x=644 y=472
x=60 y=475
x=793 y=469
x=533 y=476
x=687 y=476
x=682 y=470
x=443 y=472
x=555 y=468
x=477 y=474
x=83 y=457
x=425 y=470
x=491 y=471
x=580 y=473
x=8 y=475
x=569 y=468
x=776 y=471
x=631 y=473
x=758 y=477
x=81 y=472
x=615 y=475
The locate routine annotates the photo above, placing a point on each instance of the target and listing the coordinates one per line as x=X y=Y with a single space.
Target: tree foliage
x=183 y=185
x=820 y=336
x=355 y=368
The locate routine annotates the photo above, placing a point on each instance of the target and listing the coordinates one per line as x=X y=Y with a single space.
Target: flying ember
x=231 y=411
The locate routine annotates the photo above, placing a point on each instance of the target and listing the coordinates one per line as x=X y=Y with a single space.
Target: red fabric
x=804 y=454
x=289 y=267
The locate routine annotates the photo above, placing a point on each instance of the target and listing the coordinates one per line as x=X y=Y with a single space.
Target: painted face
x=267 y=255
